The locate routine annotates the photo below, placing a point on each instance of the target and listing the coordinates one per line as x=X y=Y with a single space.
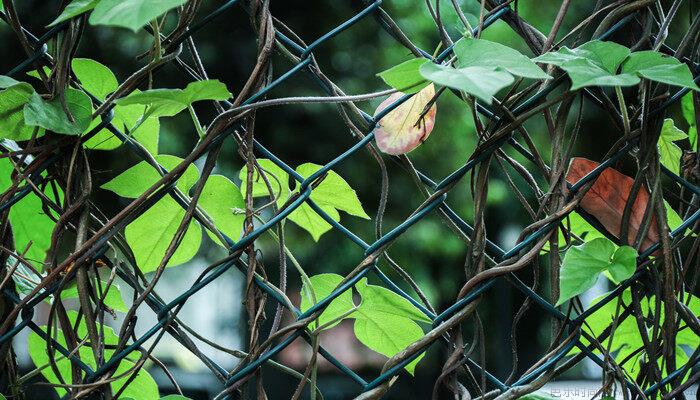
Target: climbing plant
x=627 y=218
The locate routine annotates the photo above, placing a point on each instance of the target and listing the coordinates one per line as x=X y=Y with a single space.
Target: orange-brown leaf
x=607 y=197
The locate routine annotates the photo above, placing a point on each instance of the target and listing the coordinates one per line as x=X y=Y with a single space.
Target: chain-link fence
x=502 y=127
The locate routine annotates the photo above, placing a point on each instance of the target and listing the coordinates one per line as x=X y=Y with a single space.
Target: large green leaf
x=383 y=300
x=385 y=324
x=406 y=76
x=99 y=80
x=29 y=222
x=278 y=179
x=169 y=102
x=669 y=152
x=220 y=199
x=12 y=102
x=480 y=82
x=659 y=67
x=75 y=8
x=126 y=118
x=143 y=387
x=483 y=68
x=583 y=264
x=333 y=194
x=51 y=115
x=483 y=53
x=597 y=63
x=150 y=234
x=593 y=63
x=333 y=191
x=133 y=182
x=95 y=77
x=322 y=286
x=113 y=298
x=6 y=82
x=131 y=14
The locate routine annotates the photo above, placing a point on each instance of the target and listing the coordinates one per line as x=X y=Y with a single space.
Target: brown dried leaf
x=607 y=197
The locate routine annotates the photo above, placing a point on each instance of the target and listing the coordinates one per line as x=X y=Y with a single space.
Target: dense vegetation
x=531 y=150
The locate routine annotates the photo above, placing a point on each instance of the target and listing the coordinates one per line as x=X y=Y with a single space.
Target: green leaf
x=609 y=55
x=75 y=8
x=133 y=182
x=278 y=178
x=686 y=336
x=669 y=153
x=131 y=14
x=659 y=67
x=605 y=55
x=627 y=339
x=333 y=194
x=388 y=334
x=113 y=299
x=406 y=76
x=218 y=199
x=211 y=89
x=35 y=73
x=383 y=300
x=481 y=82
x=51 y=116
x=386 y=324
x=483 y=68
x=582 y=265
x=593 y=63
x=169 y=102
x=583 y=73
x=333 y=191
x=306 y=218
x=688 y=108
x=98 y=80
x=596 y=63
x=578 y=226
x=6 y=82
x=623 y=264
x=322 y=286
x=12 y=102
x=626 y=331
x=143 y=387
x=693 y=137
x=483 y=53
x=674 y=220
x=94 y=77
x=29 y=222
x=150 y=234
x=126 y=118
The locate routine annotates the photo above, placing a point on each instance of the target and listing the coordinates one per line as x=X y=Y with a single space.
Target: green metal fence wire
x=167 y=312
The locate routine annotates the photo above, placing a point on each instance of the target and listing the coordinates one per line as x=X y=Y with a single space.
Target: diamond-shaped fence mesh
x=502 y=126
